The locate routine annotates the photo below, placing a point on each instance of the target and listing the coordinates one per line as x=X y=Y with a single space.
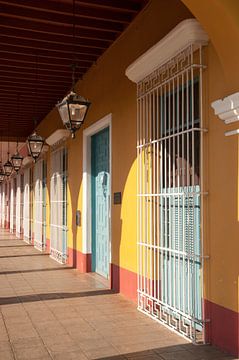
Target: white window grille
x=1 y=191
x=170 y=179
x=4 y=193
x=19 y=206
x=13 y=205
x=26 y=207
x=7 y=204
x=39 y=206
x=58 y=195
x=31 y=205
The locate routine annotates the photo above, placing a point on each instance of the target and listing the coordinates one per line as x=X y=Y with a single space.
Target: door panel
x=100 y=202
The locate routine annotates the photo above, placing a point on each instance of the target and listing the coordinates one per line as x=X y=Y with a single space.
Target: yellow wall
x=110 y=91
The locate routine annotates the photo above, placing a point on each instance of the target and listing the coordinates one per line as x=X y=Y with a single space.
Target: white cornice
x=227 y=109
x=184 y=34
x=57 y=137
x=27 y=160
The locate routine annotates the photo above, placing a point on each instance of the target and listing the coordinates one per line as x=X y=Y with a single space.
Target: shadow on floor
x=179 y=352
x=33 y=270
x=14 y=246
x=52 y=296
x=10 y=239
x=23 y=255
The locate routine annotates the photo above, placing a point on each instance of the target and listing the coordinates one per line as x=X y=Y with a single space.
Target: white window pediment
x=187 y=32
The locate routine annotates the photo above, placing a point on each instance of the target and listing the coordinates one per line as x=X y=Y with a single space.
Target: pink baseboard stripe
x=79 y=260
x=223 y=327
x=48 y=245
x=124 y=281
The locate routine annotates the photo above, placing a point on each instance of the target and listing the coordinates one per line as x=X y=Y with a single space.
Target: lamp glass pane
x=35 y=147
x=8 y=169
x=63 y=111
x=77 y=112
x=16 y=162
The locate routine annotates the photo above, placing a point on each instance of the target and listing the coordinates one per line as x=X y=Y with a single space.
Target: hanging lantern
x=2 y=174
x=73 y=109
x=17 y=161
x=35 y=144
x=8 y=167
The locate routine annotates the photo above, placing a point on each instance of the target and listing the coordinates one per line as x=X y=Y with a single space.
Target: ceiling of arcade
x=39 y=40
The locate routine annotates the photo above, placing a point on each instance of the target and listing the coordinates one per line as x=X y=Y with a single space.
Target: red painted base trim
x=79 y=260
x=6 y=225
x=223 y=328
x=48 y=245
x=124 y=281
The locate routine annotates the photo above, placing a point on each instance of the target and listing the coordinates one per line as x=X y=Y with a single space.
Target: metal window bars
x=58 y=196
x=19 y=206
x=39 y=206
x=3 y=202
x=13 y=205
x=170 y=188
x=26 y=207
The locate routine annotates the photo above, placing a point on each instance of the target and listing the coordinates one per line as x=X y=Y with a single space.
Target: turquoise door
x=100 y=191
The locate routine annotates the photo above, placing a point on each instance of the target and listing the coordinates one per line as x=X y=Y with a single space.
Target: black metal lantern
x=16 y=160
x=8 y=167
x=2 y=174
x=35 y=144
x=73 y=109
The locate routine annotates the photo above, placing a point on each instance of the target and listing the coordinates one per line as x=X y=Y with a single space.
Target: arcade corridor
x=51 y=311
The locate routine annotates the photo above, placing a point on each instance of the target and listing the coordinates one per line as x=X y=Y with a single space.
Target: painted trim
x=48 y=245
x=57 y=137
x=186 y=33
x=78 y=260
x=227 y=109
x=223 y=328
x=124 y=281
x=86 y=208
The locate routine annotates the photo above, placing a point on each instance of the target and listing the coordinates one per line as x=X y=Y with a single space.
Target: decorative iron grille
x=170 y=180
x=26 y=207
x=58 y=195
x=40 y=205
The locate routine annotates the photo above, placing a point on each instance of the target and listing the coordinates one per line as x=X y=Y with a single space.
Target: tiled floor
x=49 y=311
